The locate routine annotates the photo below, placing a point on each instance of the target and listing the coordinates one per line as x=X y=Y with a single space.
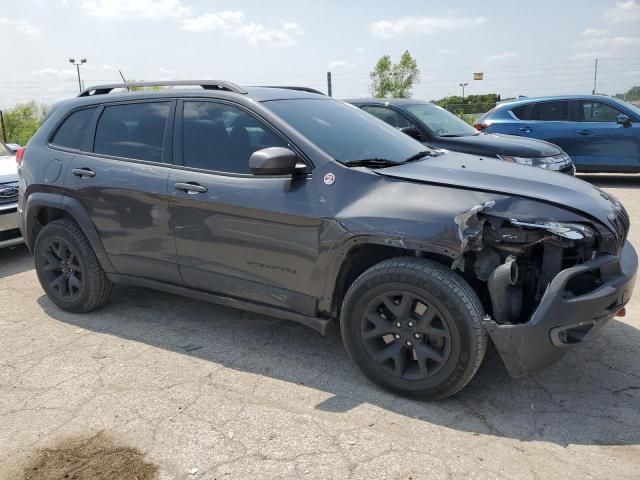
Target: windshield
x=4 y=151
x=345 y=132
x=442 y=122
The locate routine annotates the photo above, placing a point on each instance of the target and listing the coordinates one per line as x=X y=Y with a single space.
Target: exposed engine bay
x=512 y=262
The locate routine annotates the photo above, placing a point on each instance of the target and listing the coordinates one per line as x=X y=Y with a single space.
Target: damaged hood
x=492 y=175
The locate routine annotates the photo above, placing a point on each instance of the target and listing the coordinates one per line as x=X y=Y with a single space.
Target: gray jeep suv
x=300 y=206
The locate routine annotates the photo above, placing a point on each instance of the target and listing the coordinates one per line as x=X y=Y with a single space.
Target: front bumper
x=9 y=223
x=561 y=321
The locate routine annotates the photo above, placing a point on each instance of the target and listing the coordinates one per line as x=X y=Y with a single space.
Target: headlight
x=572 y=231
x=556 y=162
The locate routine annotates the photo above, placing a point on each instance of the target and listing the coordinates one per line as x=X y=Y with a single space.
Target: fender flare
x=341 y=251
x=75 y=210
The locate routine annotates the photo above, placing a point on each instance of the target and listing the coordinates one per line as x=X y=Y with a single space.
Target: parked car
x=13 y=147
x=439 y=128
x=300 y=206
x=9 y=232
x=600 y=133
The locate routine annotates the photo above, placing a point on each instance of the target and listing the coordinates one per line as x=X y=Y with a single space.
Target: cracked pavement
x=242 y=396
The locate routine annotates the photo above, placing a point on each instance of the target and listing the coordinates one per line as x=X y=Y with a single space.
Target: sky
x=523 y=48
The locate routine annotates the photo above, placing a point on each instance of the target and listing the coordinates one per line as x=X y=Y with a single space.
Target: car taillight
x=19 y=155
x=481 y=126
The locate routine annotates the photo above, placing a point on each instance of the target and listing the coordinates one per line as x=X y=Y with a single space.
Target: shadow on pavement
x=612 y=181
x=15 y=260
x=592 y=396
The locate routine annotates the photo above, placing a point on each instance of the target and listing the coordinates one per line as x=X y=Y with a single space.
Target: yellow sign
x=478 y=75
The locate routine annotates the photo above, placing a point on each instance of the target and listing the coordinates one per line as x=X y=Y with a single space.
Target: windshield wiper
x=422 y=154
x=371 y=162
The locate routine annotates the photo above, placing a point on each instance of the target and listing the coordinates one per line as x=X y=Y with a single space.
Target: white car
x=9 y=233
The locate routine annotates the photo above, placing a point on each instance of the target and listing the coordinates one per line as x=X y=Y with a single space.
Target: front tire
x=414 y=327
x=68 y=269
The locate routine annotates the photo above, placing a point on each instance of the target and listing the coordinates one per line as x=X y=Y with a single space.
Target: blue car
x=600 y=134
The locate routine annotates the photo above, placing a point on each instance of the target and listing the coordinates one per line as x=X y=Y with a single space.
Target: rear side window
x=134 y=130
x=544 y=111
x=388 y=115
x=597 y=112
x=72 y=130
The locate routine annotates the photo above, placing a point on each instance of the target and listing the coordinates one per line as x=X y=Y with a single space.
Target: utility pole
x=463 y=85
x=4 y=131
x=329 y=92
x=73 y=62
x=595 y=77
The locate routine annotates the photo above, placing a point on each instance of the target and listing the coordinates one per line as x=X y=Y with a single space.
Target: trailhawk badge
x=329 y=178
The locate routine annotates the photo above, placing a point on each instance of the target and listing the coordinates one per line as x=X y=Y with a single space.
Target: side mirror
x=275 y=161
x=623 y=119
x=413 y=132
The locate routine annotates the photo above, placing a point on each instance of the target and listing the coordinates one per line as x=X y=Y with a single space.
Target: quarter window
x=220 y=137
x=134 y=130
x=388 y=115
x=598 y=112
x=72 y=130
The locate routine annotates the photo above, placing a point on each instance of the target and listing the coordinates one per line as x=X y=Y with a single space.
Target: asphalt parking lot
x=184 y=389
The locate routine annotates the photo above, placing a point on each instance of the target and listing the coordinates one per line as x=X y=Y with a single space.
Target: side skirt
x=320 y=325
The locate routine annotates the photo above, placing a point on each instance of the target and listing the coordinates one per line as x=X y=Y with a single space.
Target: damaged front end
x=547 y=284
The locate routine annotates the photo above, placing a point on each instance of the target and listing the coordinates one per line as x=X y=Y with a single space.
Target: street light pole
x=463 y=85
x=77 y=64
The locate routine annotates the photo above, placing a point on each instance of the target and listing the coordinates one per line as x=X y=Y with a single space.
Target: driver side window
x=388 y=115
x=221 y=137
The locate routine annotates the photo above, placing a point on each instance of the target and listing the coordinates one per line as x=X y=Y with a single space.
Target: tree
x=22 y=121
x=631 y=95
x=394 y=80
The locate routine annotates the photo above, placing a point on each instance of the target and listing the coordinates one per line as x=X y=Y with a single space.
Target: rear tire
x=414 y=327
x=68 y=269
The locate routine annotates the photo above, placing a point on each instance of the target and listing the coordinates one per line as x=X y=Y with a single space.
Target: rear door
x=601 y=143
x=238 y=234
x=120 y=177
x=548 y=120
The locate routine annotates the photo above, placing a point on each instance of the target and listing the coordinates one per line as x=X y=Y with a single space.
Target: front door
x=121 y=180
x=601 y=143
x=548 y=120
x=238 y=234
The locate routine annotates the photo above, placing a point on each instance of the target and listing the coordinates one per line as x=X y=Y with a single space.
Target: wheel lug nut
x=416 y=335
x=398 y=324
x=410 y=324
x=409 y=343
x=396 y=336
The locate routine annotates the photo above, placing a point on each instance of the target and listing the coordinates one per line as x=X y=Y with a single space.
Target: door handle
x=585 y=132
x=190 y=188
x=525 y=129
x=83 y=172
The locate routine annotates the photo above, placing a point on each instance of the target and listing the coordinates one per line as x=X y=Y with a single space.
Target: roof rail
x=205 y=84
x=291 y=87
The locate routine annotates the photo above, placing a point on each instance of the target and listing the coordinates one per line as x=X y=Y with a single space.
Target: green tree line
x=22 y=121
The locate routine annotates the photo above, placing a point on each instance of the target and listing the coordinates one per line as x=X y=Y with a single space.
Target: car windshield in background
x=345 y=132
x=442 y=122
x=5 y=151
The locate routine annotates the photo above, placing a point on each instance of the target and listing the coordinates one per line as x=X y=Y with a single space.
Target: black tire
x=436 y=349
x=68 y=269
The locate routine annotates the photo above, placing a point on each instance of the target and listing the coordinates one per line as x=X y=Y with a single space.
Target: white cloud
x=147 y=9
x=52 y=72
x=422 y=25
x=500 y=56
x=358 y=50
x=612 y=42
x=593 y=32
x=20 y=26
x=234 y=24
x=446 y=51
x=625 y=11
x=166 y=71
x=338 y=64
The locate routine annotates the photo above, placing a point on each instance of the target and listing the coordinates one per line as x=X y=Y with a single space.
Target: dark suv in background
x=434 y=126
x=600 y=133
x=300 y=206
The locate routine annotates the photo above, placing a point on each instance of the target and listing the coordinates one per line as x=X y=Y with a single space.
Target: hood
x=492 y=175
x=492 y=144
x=8 y=169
